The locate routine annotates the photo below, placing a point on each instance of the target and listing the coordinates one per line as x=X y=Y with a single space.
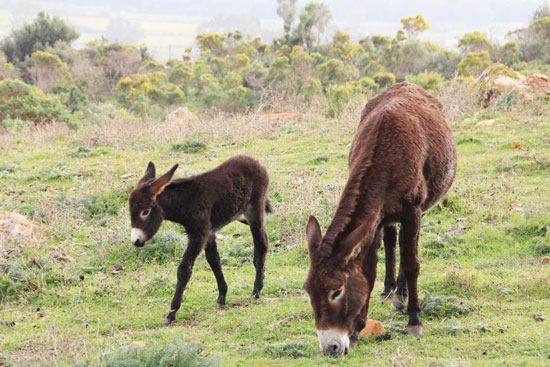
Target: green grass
x=481 y=281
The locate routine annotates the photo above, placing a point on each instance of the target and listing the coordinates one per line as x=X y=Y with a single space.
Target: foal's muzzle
x=138 y=237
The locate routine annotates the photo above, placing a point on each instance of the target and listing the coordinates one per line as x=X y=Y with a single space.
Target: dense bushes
x=19 y=101
x=233 y=73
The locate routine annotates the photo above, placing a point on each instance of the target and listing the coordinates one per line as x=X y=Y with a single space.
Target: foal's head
x=337 y=288
x=145 y=214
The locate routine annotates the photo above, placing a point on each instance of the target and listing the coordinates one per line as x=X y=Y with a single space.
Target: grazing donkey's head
x=337 y=288
x=145 y=214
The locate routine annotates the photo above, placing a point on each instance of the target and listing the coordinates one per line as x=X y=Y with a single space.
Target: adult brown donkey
x=402 y=161
x=203 y=204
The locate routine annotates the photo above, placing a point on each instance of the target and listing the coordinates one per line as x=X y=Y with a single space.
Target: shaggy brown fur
x=402 y=161
x=203 y=204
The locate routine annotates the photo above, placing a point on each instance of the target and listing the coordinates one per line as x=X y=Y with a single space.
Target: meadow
x=80 y=290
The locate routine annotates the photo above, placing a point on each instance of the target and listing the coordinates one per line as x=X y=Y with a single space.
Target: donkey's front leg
x=185 y=268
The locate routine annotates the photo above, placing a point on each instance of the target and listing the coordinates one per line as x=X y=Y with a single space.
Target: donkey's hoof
x=415 y=330
x=386 y=297
x=256 y=295
x=167 y=321
x=220 y=305
x=399 y=301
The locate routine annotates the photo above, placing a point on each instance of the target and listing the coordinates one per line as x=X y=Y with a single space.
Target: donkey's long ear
x=157 y=187
x=313 y=234
x=347 y=249
x=149 y=173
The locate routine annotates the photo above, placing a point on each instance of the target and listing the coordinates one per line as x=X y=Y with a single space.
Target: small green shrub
x=175 y=353
x=427 y=80
x=191 y=146
x=59 y=171
x=319 y=160
x=384 y=79
x=71 y=96
x=338 y=96
x=293 y=350
x=17 y=278
x=437 y=307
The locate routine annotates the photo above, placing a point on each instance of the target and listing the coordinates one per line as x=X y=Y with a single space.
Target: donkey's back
x=404 y=136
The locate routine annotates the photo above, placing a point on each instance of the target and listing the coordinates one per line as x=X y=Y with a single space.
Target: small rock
x=515 y=144
x=126 y=176
x=372 y=328
x=15 y=228
x=538 y=317
x=138 y=343
x=504 y=328
x=546 y=260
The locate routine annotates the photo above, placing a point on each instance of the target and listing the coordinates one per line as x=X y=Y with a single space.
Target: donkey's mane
x=373 y=115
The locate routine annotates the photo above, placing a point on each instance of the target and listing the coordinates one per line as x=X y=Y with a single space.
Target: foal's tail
x=268 y=208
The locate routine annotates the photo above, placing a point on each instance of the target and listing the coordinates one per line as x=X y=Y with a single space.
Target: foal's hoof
x=256 y=294
x=399 y=301
x=170 y=318
x=220 y=305
x=386 y=297
x=415 y=330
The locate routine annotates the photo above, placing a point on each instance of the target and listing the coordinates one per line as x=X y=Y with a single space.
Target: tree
x=43 y=32
x=315 y=16
x=474 y=42
x=474 y=63
x=286 y=9
x=542 y=11
x=413 y=26
x=48 y=69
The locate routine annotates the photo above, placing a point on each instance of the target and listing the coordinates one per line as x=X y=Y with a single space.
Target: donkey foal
x=203 y=204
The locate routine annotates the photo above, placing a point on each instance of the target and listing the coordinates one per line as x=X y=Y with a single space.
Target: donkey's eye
x=336 y=294
x=145 y=213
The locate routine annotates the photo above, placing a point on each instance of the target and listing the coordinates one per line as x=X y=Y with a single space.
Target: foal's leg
x=390 y=239
x=257 y=227
x=185 y=268
x=401 y=295
x=411 y=265
x=213 y=258
x=370 y=260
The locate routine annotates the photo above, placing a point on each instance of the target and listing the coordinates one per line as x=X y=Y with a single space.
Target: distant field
x=68 y=301
x=159 y=33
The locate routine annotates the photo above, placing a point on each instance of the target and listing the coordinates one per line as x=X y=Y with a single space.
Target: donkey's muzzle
x=333 y=342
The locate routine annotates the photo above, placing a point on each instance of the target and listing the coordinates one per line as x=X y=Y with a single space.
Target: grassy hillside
x=80 y=289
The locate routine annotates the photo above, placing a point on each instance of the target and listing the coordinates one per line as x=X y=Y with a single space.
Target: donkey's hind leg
x=401 y=295
x=213 y=258
x=390 y=240
x=255 y=218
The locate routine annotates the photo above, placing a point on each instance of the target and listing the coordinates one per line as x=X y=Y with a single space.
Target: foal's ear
x=313 y=234
x=149 y=173
x=157 y=187
x=348 y=247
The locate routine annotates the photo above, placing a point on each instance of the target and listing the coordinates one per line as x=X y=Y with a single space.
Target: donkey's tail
x=268 y=208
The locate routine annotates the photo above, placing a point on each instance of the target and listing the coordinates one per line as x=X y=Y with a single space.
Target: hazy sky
x=167 y=22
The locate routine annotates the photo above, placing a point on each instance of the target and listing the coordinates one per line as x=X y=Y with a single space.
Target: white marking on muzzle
x=137 y=235
x=333 y=341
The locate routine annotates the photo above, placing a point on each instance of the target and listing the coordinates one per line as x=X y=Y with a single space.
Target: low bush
x=175 y=353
